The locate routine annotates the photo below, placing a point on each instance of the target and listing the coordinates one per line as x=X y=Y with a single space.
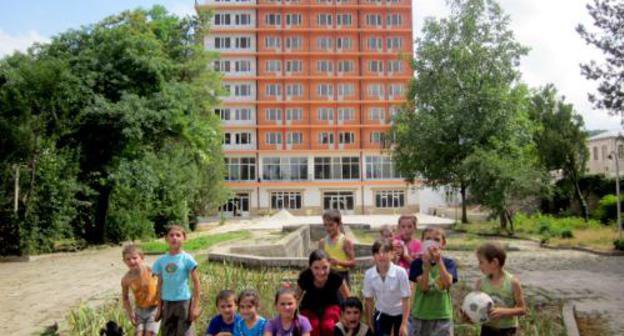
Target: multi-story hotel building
x=313 y=86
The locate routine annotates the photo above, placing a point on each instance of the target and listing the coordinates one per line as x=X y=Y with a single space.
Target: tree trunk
x=463 y=197
x=101 y=214
x=503 y=220
x=581 y=198
x=509 y=215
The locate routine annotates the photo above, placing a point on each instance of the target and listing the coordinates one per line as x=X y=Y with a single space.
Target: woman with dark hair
x=319 y=291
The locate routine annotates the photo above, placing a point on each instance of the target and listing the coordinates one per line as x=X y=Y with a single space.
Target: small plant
x=566 y=233
x=619 y=244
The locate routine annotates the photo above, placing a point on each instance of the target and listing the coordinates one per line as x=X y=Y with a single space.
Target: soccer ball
x=477 y=306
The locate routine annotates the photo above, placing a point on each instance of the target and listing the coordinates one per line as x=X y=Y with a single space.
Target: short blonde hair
x=433 y=229
x=176 y=227
x=130 y=249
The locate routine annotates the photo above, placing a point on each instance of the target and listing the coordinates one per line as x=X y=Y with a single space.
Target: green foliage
x=464 y=96
x=619 y=244
x=195 y=244
x=111 y=126
x=606 y=210
x=549 y=226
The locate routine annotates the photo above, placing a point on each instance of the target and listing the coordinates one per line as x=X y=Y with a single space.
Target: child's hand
x=403 y=330
x=158 y=313
x=333 y=261
x=195 y=312
x=436 y=254
x=133 y=319
x=426 y=258
x=496 y=313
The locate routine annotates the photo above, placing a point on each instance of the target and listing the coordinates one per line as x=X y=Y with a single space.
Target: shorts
x=146 y=319
x=433 y=327
x=175 y=318
x=386 y=325
x=489 y=331
x=345 y=275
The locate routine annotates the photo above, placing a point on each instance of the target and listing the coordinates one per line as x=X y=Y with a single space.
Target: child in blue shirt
x=178 y=308
x=222 y=324
x=251 y=323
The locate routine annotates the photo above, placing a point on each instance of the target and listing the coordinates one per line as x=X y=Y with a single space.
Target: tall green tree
x=125 y=104
x=608 y=18
x=560 y=138
x=461 y=99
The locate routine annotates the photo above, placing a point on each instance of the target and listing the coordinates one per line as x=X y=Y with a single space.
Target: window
x=273 y=42
x=395 y=90
x=378 y=138
x=375 y=43
x=604 y=152
x=595 y=153
x=343 y=20
x=293 y=19
x=376 y=113
x=325 y=90
x=273 y=138
x=294 y=114
x=222 y=42
x=242 y=114
x=375 y=66
x=285 y=168
x=324 y=43
x=223 y=113
x=293 y=42
x=222 y=66
x=243 y=42
x=294 y=90
x=242 y=90
x=324 y=66
x=242 y=66
x=393 y=43
x=375 y=90
x=273 y=90
x=294 y=138
x=620 y=152
x=395 y=66
x=325 y=113
x=394 y=111
x=273 y=114
x=344 y=43
x=273 y=19
x=324 y=20
x=345 y=66
x=341 y=200
x=243 y=19
x=273 y=66
x=346 y=137
x=346 y=113
x=346 y=90
x=285 y=200
x=221 y=19
x=242 y=138
x=390 y=199
x=238 y=114
x=373 y=20
x=380 y=167
x=294 y=66
x=394 y=19
x=326 y=138
x=240 y=169
x=336 y=168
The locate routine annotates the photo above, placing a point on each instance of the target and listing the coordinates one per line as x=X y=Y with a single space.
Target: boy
x=223 y=323
x=339 y=248
x=178 y=310
x=387 y=286
x=503 y=287
x=144 y=286
x=350 y=319
x=433 y=276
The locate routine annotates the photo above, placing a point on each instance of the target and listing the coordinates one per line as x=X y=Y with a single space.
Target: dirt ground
x=35 y=294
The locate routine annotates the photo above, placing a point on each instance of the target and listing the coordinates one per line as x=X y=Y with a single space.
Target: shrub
x=607 y=208
x=566 y=233
x=619 y=244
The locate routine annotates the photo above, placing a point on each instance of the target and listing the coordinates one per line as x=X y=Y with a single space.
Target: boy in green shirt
x=433 y=275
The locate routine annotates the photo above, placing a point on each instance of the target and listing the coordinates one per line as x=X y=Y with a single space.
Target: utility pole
x=16 y=192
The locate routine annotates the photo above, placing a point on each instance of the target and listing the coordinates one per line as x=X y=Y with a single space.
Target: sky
x=547 y=27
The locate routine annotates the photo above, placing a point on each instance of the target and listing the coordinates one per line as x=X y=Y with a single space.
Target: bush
x=619 y=244
x=607 y=208
x=566 y=233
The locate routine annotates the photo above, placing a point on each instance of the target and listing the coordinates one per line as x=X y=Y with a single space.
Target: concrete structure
x=312 y=88
x=600 y=147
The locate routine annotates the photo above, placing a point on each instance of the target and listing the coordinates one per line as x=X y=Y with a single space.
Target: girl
x=406 y=247
x=287 y=322
x=318 y=290
x=251 y=323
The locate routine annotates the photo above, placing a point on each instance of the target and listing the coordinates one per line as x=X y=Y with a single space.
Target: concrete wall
x=295 y=244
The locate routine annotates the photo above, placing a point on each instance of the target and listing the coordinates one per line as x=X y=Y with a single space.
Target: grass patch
x=592 y=325
x=196 y=243
x=544 y=320
x=600 y=238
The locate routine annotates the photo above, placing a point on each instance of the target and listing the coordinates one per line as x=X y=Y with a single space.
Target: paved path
x=40 y=292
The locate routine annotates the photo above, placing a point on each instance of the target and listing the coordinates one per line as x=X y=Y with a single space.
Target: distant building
x=600 y=147
x=312 y=86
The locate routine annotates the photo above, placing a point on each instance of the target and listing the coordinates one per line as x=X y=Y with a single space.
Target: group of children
x=406 y=292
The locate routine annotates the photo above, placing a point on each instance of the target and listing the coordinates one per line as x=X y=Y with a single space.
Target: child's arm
x=196 y=293
x=344 y=290
x=126 y=301
x=518 y=310
x=368 y=311
x=423 y=279
x=445 y=277
x=321 y=243
x=160 y=302
x=350 y=252
x=403 y=330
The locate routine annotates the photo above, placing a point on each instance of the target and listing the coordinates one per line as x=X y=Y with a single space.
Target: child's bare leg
x=140 y=333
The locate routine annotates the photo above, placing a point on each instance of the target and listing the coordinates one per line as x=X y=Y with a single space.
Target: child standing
x=350 y=319
x=178 y=308
x=288 y=322
x=144 y=286
x=251 y=324
x=336 y=245
x=406 y=247
x=387 y=287
x=503 y=287
x=222 y=324
x=433 y=276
